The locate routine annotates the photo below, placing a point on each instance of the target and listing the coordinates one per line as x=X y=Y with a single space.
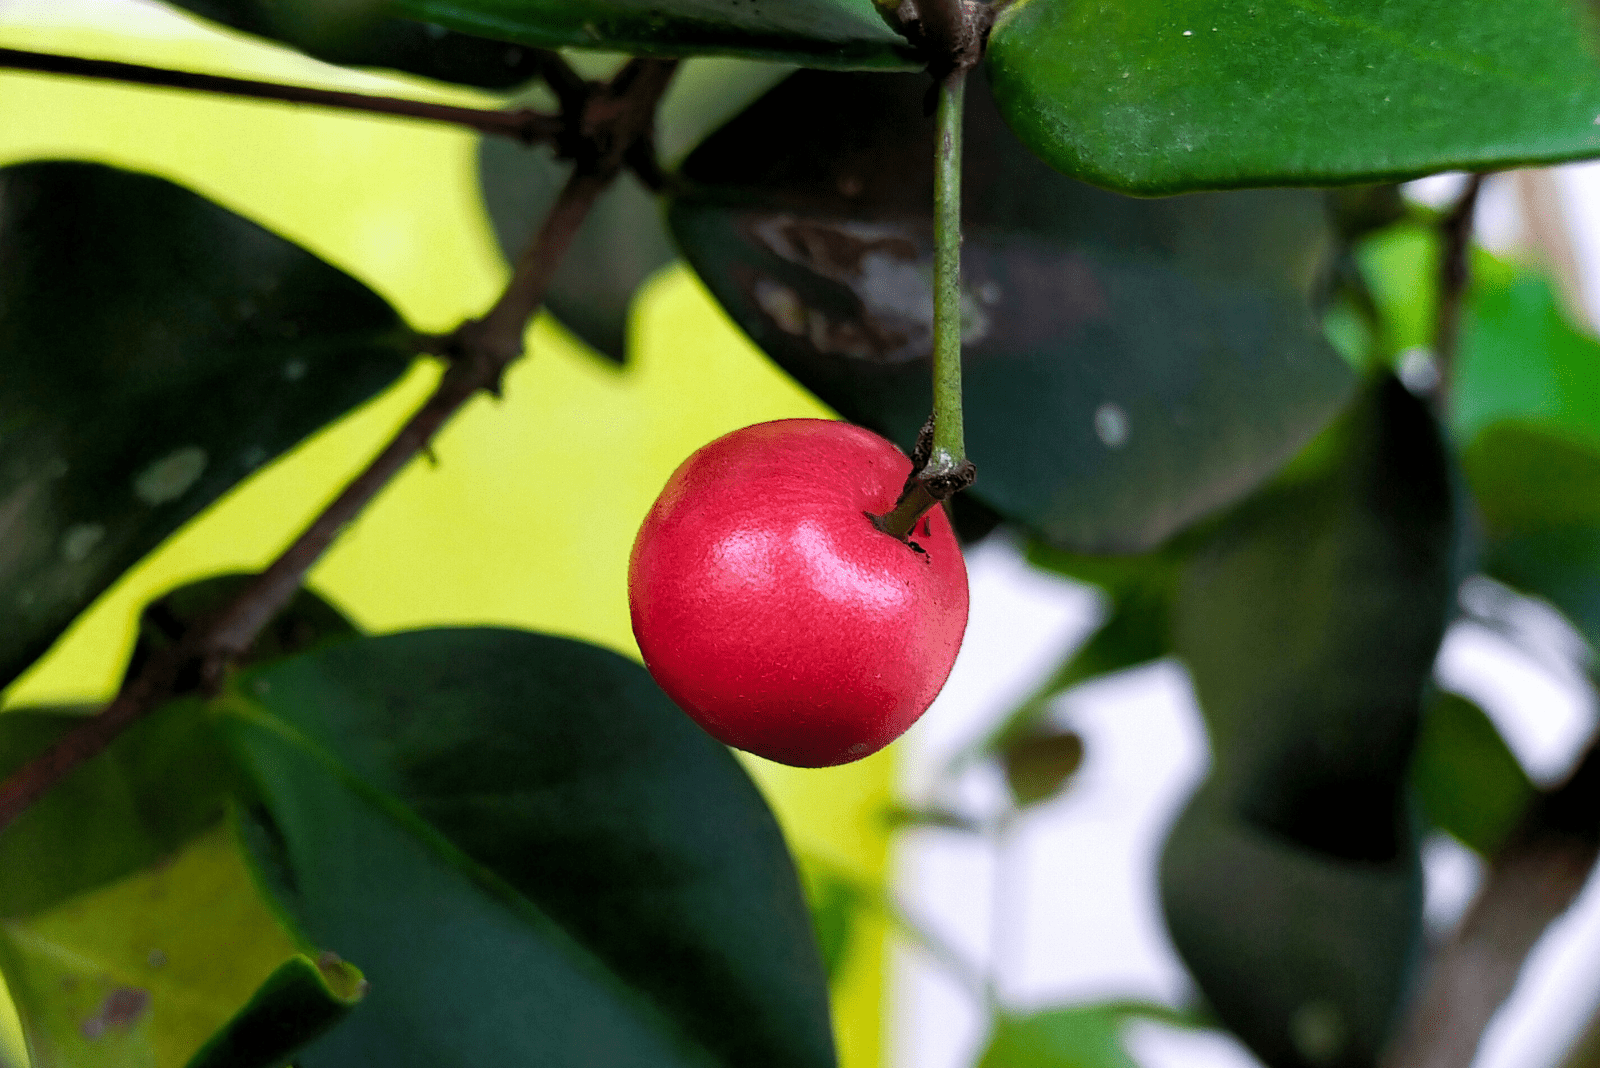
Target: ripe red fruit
x=773 y=611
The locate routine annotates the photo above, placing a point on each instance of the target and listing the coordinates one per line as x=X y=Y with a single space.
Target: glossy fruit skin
x=773 y=611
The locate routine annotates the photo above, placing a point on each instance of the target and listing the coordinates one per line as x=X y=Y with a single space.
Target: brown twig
x=612 y=118
x=1455 y=272
x=951 y=35
x=1531 y=881
x=524 y=124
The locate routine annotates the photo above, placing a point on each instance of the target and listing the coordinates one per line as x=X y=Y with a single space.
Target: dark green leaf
x=1305 y=956
x=1130 y=365
x=815 y=33
x=1039 y=765
x=1468 y=781
x=1527 y=480
x=355 y=33
x=1310 y=624
x=1199 y=94
x=154 y=350
x=162 y=782
x=1086 y=1036
x=1539 y=496
x=299 y=1002
x=603 y=883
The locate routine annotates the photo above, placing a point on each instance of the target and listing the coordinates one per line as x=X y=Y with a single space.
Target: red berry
x=773 y=611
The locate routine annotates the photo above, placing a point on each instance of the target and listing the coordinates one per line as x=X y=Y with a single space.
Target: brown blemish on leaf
x=119 y=1011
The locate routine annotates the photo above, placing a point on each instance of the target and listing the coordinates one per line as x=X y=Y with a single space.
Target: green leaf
x=165 y=780
x=1198 y=94
x=1310 y=624
x=603 y=883
x=1522 y=359
x=1086 y=1036
x=155 y=349
x=1305 y=956
x=813 y=33
x=140 y=973
x=1129 y=365
x=1466 y=778
x=299 y=1002
x=355 y=33
x=1394 y=264
x=836 y=901
x=1539 y=496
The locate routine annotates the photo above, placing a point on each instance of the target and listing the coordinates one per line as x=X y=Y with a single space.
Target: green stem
x=949 y=438
x=941 y=457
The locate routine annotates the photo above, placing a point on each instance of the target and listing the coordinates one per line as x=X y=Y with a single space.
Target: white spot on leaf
x=1111 y=425
x=171 y=476
x=79 y=541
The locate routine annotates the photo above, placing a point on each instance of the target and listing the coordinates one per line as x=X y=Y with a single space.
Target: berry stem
x=940 y=466
x=949 y=438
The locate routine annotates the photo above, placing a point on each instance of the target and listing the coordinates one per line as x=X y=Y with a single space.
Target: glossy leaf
x=298 y=1003
x=1310 y=625
x=355 y=33
x=165 y=780
x=140 y=973
x=814 y=33
x=1197 y=94
x=1129 y=365
x=548 y=809
x=1307 y=957
x=154 y=350
x=1088 y=1036
x=1467 y=779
